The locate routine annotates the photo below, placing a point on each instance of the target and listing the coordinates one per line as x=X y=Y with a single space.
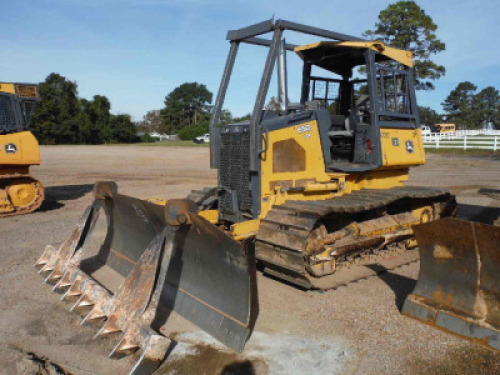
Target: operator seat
x=340 y=127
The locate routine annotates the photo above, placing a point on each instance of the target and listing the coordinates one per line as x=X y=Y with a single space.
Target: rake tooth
x=73 y=291
x=151 y=356
x=49 y=250
x=76 y=303
x=108 y=328
x=125 y=347
x=41 y=262
x=54 y=275
x=46 y=268
x=63 y=282
x=82 y=301
x=65 y=295
x=95 y=314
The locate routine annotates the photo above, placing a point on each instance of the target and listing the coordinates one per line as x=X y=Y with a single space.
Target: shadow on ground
x=206 y=359
x=400 y=285
x=55 y=196
x=482 y=214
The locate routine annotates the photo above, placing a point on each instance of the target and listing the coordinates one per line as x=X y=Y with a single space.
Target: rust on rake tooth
x=83 y=301
x=46 y=268
x=54 y=275
x=71 y=293
x=73 y=290
x=94 y=314
x=64 y=296
x=63 y=282
x=152 y=354
x=125 y=346
x=49 y=250
x=108 y=328
x=76 y=303
x=41 y=262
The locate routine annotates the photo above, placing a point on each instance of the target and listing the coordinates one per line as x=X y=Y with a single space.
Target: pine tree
x=405 y=25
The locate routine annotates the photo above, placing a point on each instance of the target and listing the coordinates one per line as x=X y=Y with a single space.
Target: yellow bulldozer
x=20 y=193
x=313 y=192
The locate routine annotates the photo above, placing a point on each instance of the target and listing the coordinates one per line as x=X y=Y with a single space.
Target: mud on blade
x=154 y=260
x=459 y=284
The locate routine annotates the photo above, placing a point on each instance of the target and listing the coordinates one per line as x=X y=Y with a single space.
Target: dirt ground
x=356 y=329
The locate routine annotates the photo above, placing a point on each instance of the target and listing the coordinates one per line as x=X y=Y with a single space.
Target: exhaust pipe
x=282 y=78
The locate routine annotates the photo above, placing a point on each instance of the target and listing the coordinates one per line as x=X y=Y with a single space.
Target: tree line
x=186 y=112
x=467 y=108
x=62 y=117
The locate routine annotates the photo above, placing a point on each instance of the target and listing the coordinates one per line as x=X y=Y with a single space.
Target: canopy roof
x=341 y=57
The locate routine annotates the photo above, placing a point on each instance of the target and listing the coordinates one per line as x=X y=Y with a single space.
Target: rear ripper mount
x=154 y=251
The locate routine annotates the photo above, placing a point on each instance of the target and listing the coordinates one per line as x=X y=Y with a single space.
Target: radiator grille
x=234 y=169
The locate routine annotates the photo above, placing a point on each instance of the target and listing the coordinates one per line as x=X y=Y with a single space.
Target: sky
x=136 y=51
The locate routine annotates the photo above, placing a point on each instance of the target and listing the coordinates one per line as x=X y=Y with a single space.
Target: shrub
x=147 y=138
x=191 y=132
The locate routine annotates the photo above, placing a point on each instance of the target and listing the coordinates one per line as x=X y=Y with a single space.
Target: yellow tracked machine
x=313 y=190
x=20 y=193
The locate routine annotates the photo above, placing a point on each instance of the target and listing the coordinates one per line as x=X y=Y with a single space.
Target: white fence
x=464 y=139
x=459 y=134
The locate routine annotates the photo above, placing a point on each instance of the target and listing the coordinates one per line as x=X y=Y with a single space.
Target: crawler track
x=282 y=241
x=284 y=233
x=6 y=181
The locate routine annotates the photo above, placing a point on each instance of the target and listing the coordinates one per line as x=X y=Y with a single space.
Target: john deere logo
x=10 y=148
x=409 y=147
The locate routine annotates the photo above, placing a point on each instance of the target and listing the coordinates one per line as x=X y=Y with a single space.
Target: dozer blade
x=459 y=284
x=154 y=260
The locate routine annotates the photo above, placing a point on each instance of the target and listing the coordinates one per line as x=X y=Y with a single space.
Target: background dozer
x=314 y=190
x=20 y=193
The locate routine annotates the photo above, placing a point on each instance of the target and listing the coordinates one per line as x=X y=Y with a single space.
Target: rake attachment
x=458 y=289
x=154 y=260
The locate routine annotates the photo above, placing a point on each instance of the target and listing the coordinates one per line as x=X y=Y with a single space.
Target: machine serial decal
x=304 y=128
